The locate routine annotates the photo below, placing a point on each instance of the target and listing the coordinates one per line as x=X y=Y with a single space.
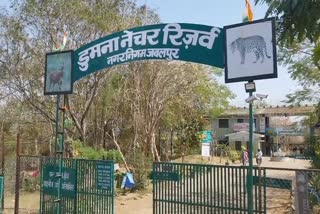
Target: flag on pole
x=64 y=42
x=248 y=15
x=63 y=45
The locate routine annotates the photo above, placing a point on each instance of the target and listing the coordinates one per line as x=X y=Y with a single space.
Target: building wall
x=221 y=132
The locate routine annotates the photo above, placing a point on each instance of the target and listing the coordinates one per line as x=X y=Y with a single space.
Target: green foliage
x=113 y=155
x=142 y=167
x=313 y=151
x=315 y=185
x=187 y=134
x=68 y=123
x=31 y=184
x=88 y=152
x=296 y=19
x=234 y=155
x=298 y=38
x=316 y=56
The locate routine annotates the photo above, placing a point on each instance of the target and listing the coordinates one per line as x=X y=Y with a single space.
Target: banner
x=187 y=42
x=237 y=127
x=206 y=136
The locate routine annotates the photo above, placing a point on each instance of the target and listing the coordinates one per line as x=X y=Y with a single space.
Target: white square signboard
x=250 y=51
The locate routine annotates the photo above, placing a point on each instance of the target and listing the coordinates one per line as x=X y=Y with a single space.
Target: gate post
x=2 y=163
x=259 y=190
x=17 y=192
x=75 y=165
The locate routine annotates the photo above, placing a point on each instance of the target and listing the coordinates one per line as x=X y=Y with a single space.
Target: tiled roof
x=271 y=111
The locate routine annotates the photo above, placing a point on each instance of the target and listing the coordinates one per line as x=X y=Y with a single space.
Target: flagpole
x=249 y=18
x=145 y=12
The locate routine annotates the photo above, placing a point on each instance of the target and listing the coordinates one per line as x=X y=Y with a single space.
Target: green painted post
x=249 y=176
x=57 y=126
x=55 y=154
x=61 y=157
x=41 y=187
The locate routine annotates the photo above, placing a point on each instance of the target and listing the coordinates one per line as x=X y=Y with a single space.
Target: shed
x=241 y=138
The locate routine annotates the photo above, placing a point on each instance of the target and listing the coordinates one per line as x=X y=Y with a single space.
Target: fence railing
x=87 y=186
x=194 y=188
x=292 y=190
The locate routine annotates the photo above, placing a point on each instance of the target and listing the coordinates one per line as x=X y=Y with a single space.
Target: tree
x=158 y=94
x=35 y=28
x=298 y=41
x=140 y=96
x=298 y=35
x=293 y=23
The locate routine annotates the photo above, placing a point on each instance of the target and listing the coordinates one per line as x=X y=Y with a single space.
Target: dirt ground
x=278 y=200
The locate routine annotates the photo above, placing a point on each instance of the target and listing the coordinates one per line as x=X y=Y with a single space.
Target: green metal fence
x=87 y=186
x=193 y=188
x=292 y=190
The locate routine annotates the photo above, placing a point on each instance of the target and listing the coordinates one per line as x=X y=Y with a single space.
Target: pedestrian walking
x=244 y=157
x=259 y=157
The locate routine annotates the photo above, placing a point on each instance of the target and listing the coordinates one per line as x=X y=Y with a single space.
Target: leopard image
x=255 y=44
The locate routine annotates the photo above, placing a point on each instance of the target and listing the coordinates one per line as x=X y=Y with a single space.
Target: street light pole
x=171 y=133
x=250 y=88
x=160 y=143
x=250 y=179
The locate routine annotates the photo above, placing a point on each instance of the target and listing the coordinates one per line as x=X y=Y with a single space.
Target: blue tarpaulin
x=128 y=181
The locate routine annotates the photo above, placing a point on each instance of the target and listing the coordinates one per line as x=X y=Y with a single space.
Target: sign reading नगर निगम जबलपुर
x=174 y=41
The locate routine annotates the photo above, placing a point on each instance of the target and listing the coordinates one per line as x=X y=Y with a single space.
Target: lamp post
x=171 y=146
x=250 y=88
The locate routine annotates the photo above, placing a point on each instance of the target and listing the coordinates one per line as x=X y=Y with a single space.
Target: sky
x=220 y=13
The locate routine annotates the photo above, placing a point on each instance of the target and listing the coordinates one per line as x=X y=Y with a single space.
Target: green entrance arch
x=174 y=41
x=202 y=44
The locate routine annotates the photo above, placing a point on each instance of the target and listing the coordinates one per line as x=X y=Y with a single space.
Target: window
x=223 y=123
x=240 y=120
x=255 y=122
x=238 y=145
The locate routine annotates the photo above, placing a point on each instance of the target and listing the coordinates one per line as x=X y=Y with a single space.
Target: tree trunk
x=119 y=149
x=154 y=146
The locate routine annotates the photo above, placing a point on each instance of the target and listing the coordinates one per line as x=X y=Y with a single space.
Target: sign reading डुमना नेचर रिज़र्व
x=250 y=51
x=175 y=41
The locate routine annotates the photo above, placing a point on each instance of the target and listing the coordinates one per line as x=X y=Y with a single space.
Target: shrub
x=234 y=155
x=31 y=184
x=141 y=168
x=112 y=155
